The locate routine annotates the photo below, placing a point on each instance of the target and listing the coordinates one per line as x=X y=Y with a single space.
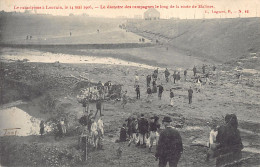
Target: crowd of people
x=224 y=140
x=154 y=84
x=146 y=133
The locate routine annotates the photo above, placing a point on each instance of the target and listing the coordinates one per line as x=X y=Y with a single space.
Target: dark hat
x=167 y=119
x=142 y=115
x=154 y=117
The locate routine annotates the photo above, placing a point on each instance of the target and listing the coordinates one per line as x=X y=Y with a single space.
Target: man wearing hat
x=169 y=147
x=143 y=126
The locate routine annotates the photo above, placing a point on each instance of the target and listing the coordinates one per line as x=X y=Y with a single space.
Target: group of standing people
x=145 y=133
x=28 y=37
x=152 y=87
x=140 y=131
x=91 y=132
x=224 y=142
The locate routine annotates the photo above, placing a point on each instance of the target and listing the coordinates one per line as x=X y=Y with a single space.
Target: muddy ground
x=39 y=83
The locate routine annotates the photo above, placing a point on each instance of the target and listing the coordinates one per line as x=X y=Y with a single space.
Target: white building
x=152 y=14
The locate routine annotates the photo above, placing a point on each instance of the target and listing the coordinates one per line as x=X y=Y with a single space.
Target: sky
x=221 y=8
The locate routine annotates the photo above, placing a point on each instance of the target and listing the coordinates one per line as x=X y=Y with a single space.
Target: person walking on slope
x=149 y=93
x=185 y=75
x=124 y=98
x=174 y=75
x=160 y=91
x=203 y=68
x=170 y=146
x=148 y=80
x=178 y=76
x=194 y=71
x=167 y=74
x=137 y=89
x=98 y=106
x=154 y=90
x=190 y=92
x=42 y=128
x=155 y=74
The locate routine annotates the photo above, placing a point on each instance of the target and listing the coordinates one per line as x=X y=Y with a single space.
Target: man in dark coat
x=185 y=75
x=154 y=89
x=169 y=147
x=203 y=68
x=167 y=74
x=190 y=92
x=137 y=89
x=98 y=106
x=214 y=68
x=129 y=126
x=160 y=91
x=148 y=80
x=143 y=126
x=155 y=74
x=178 y=76
x=149 y=93
x=194 y=71
x=58 y=133
x=174 y=75
x=42 y=128
x=84 y=104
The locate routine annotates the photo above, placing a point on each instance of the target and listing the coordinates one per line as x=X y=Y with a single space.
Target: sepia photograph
x=129 y=83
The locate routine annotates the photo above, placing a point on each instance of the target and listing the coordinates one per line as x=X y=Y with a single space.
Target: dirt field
x=232 y=96
x=38 y=83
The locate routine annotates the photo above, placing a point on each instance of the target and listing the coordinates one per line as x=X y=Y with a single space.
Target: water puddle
x=14 y=121
x=34 y=56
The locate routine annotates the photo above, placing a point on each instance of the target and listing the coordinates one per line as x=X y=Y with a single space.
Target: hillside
x=48 y=29
x=216 y=39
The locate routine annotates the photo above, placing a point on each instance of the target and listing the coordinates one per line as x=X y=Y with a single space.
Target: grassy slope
x=46 y=29
x=217 y=39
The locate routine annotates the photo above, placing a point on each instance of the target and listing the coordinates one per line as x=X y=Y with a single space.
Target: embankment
x=217 y=39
